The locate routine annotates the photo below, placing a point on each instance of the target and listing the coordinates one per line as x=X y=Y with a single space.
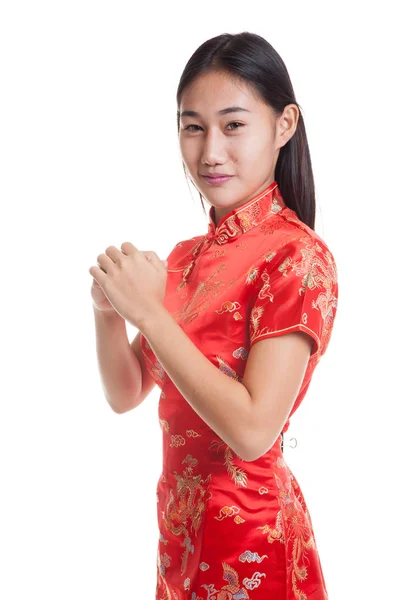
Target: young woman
x=231 y=333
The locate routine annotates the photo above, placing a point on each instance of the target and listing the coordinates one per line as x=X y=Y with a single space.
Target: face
x=242 y=143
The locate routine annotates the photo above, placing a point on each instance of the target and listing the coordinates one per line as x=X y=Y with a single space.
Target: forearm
x=120 y=370
x=222 y=402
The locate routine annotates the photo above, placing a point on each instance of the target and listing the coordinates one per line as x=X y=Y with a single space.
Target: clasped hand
x=133 y=282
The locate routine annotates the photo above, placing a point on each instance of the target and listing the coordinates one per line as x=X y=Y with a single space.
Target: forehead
x=212 y=92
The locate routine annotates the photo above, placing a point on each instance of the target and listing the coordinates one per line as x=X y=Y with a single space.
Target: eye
x=187 y=128
x=235 y=123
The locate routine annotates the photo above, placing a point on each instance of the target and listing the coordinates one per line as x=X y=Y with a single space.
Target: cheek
x=255 y=151
x=188 y=152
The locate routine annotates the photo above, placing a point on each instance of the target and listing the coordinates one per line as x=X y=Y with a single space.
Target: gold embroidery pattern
x=228 y=231
x=316 y=270
x=241 y=353
x=295 y=528
x=233 y=589
x=237 y=475
x=185 y=506
x=227 y=511
x=249 y=218
x=228 y=306
x=265 y=290
x=250 y=557
x=200 y=298
x=274 y=533
x=227 y=369
x=251 y=275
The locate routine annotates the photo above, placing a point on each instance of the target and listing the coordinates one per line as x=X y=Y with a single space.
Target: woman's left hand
x=133 y=281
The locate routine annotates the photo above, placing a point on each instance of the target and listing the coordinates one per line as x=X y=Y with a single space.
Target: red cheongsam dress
x=230 y=528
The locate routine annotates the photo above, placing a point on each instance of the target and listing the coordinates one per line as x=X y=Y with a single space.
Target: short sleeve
x=297 y=291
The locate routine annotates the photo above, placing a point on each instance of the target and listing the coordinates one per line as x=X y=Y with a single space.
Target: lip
x=217 y=180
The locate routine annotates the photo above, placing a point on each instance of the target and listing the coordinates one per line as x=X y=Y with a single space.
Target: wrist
x=107 y=315
x=152 y=320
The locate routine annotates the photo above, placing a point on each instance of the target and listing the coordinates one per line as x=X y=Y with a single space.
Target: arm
x=274 y=373
x=248 y=415
x=120 y=364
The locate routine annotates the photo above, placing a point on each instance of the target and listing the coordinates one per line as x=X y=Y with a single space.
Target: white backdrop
x=90 y=158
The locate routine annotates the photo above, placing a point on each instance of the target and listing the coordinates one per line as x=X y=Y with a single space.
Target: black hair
x=248 y=57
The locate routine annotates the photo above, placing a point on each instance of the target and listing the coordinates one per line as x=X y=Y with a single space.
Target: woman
x=232 y=334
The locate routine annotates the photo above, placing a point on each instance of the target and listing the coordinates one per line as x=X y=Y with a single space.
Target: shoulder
x=296 y=242
x=292 y=258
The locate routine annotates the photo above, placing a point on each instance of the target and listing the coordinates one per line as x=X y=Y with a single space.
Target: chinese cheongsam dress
x=230 y=528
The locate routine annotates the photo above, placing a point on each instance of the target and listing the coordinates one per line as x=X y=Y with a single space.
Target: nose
x=213 y=150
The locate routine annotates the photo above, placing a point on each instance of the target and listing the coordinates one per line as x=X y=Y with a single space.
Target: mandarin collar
x=238 y=221
x=246 y=216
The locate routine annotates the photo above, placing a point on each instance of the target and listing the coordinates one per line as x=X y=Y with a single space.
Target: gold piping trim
x=294 y=328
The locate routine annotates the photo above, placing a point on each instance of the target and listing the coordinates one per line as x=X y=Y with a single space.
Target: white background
x=90 y=158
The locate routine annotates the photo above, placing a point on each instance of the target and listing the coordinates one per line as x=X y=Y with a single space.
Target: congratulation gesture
x=132 y=281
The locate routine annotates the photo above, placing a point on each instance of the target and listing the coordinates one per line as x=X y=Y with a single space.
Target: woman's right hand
x=100 y=300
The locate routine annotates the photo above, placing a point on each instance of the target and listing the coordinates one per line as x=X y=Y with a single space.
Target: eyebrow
x=224 y=111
